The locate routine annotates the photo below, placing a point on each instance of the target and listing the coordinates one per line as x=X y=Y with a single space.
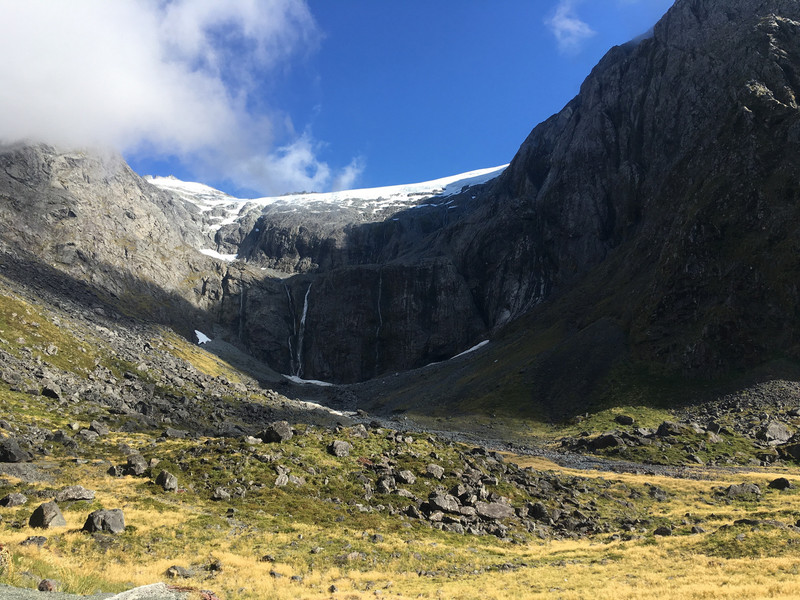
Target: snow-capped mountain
x=365 y=205
x=369 y=201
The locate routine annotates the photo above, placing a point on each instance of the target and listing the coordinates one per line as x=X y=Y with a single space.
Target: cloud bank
x=177 y=78
x=570 y=31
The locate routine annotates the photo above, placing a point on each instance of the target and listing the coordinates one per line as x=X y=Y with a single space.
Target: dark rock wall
x=677 y=160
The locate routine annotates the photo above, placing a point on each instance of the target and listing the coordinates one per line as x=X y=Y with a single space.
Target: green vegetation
x=26 y=331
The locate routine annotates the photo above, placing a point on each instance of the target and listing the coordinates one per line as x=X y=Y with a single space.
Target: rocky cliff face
x=660 y=202
x=677 y=159
x=92 y=218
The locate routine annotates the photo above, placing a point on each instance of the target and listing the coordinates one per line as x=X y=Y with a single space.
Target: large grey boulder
x=406 y=477
x=444 y=502
x=13 y=499
x=742 y=490
x=74 y=493
x=136 y=465
x=775 y=433
x=47 y=516
x=99 y=428
x=339 y=448
x=277 y=432
x=434 y=471
x=494 y=510
x=11 y=452
x=103 y=520
x=167 y=481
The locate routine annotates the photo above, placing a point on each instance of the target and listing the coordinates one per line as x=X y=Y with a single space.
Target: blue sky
x=261 y=97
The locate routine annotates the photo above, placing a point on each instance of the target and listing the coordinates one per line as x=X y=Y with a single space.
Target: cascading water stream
x=292 y=366
x=301 y=333
x=380 y=323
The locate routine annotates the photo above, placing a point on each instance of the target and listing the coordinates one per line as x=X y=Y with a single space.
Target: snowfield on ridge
x=373 y=204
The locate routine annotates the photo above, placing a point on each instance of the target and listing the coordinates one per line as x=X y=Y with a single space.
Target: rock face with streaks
x=655 y=217
x=89 y=217
x=661 y=202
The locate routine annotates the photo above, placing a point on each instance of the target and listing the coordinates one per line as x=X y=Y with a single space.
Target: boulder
x=740 y=490
x=74 y=493
x=136 y=465
x=109 y=521
x=34 y=540
x=87 y=435
x=434 y=471
x=774 y=432
x=624 y=420
x=278 y=432
x=494 y=510
x=10 y=452
x=444 y=502
x=781 y=483
x=668 y=428
x=358 y=431
x=46 y=516
x=99 y=428
x=386 y=484
x=222 y=495
x=790 y=452
x=406 y=477
x=167 y=481
x=539 y=512
x=339 y=448
x=13 y=499
x=607 y=440
x=51 y=390
x=174 y=434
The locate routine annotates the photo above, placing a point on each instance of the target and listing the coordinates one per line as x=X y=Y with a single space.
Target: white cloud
x=569 y=29
x=293 y=167
x=347 y=178
x=173 y=78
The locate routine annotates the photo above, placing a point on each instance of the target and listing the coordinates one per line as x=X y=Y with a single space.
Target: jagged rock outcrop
x=677 y=158
x=89 y=216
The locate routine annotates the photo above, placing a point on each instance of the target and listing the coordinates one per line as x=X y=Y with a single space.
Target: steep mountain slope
x=651 y=222
x=92 y=218
x=658 y=212
x=673 y=172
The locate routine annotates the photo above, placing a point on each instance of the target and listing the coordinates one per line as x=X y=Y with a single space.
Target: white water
x=301 y=333
x=292 y=367
x=380 y=322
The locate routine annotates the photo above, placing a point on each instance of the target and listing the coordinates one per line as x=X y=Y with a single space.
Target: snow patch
x=298 y=380
x=218 y=256
x=475 y=347
x=202 y=338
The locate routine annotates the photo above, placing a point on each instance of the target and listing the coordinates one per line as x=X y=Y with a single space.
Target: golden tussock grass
x=187 y=529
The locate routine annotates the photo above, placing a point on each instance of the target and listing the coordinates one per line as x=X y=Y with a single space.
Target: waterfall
x=380 y=322
x=301 y=333
x=293 y=335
